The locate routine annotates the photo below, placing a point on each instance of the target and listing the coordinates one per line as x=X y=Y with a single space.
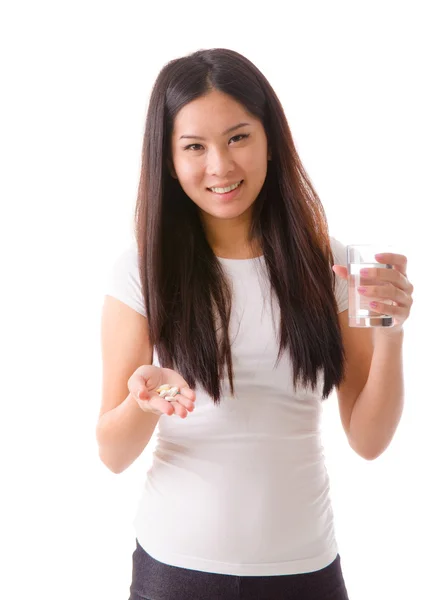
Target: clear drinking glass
x=361 y=256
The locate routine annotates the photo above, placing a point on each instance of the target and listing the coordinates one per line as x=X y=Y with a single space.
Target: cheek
x=189 y=173
x=256 y=164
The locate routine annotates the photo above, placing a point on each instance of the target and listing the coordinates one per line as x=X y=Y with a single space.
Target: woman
x=230 y=296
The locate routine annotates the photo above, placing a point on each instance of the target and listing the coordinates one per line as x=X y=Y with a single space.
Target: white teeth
x=226 y=189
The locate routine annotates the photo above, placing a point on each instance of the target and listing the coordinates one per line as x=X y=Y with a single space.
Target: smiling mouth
x=225 y=190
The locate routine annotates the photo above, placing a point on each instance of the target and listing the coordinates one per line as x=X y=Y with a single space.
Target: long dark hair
x=186 y=296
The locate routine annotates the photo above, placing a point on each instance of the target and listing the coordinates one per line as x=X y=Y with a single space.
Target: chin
x=227 y=213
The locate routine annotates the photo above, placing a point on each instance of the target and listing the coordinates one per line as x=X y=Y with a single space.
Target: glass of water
x=362 y=256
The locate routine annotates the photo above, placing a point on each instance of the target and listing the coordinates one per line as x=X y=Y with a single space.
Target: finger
x=188 y=393
x=145 y=378
x=186 y=402
x=147 y=406
x=385 y=292
x=150 y=376
x=180 y=410
x=341 y=271
x=398 y=279
x=136 y=386
x=398 y=261
x=388 y=309
x=155 y=403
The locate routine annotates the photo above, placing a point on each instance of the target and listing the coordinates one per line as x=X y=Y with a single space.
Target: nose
x=219 y=163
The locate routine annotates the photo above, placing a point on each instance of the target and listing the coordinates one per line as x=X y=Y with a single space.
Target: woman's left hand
x=389 y=284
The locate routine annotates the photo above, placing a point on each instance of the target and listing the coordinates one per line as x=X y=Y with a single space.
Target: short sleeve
x=123 y=281
x=341 y=285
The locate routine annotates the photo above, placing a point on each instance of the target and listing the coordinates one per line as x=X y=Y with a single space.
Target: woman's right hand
x=147 y=378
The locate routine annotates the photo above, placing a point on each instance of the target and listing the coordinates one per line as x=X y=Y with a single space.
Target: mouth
x=226 y=191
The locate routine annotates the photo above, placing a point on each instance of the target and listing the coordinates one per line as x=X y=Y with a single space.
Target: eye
x=242 y=136
x=236 y=138
x=192 y=147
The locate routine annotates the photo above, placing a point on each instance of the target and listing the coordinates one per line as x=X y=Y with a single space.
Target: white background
x=362 y=86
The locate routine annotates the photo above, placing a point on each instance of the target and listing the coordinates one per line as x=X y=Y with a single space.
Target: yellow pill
x=163 y=387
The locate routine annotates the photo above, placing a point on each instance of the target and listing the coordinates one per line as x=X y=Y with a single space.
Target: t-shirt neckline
x=240 y=260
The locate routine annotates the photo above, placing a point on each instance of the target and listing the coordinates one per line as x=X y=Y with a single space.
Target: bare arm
x=123 y=433
x=123 y=429
x=378 y=409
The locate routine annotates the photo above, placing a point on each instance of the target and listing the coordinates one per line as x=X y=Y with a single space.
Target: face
x=217 y=145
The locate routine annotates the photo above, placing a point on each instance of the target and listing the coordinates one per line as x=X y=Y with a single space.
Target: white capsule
x=165 y=386
x=173 y=391
x=164 y=393
x=169 y=398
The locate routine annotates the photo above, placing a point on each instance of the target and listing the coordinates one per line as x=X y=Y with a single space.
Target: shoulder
x=123 y=280
x=338 y=250
x=341 y=285
x=126 y=258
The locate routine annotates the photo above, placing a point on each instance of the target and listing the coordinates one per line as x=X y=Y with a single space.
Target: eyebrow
x=197 y=137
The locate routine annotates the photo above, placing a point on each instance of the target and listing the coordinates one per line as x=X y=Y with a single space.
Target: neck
x=241 y=253
x=229 y=238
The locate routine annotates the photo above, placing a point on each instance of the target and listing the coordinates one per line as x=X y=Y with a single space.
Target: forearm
x=123 y=433
x=378 y=409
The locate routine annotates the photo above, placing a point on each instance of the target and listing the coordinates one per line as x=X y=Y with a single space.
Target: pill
x=164 y=393
x=173 y=391
x=169 y=398
x=165 y=386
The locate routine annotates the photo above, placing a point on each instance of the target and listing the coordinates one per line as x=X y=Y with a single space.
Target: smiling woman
x=222 y=174
x=230 y=289
x=214 y=121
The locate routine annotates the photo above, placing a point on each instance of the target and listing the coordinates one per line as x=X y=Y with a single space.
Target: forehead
x=210 y=114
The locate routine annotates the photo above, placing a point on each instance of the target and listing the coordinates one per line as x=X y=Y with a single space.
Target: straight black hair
x=186 y=295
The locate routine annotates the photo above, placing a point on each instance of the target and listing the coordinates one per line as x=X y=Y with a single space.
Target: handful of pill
x=167 y=392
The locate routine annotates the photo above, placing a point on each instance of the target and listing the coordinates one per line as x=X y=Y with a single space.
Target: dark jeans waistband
x=153 y=580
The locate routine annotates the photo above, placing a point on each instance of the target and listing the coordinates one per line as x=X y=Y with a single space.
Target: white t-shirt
x=240 y=488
